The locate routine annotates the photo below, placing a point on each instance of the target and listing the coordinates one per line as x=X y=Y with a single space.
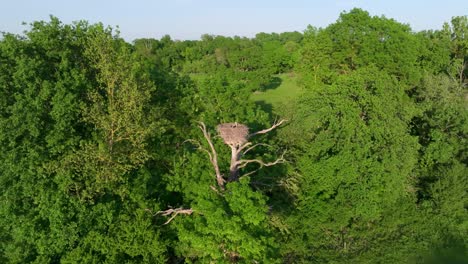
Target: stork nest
x=233 y=134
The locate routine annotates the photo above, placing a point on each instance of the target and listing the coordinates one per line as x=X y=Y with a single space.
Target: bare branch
x=191 y=141
x=240 y=148
x=200 y=147
x=242 y=163
x=264 y=131
x=174 y=213
x=213 y=156
x=215 y=190
x=254 y=146
x=262 y=164
x=250 y=173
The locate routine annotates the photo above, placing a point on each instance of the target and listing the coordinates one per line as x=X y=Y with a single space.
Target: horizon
x=189 y=19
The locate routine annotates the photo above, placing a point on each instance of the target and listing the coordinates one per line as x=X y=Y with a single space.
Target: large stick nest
x=233 y=134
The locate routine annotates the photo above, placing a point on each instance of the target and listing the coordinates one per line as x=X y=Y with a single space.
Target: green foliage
x=457 y=31
x=355 y=162
x=435 y=51
x=357 y=40
x=221 y=101
x=128 y=237
x=224 y=228
x=121 y=118
x=442 y=127
x=73 y=132
x=98 y=137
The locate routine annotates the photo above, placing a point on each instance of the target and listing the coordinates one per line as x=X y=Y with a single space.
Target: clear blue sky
x=189 y=19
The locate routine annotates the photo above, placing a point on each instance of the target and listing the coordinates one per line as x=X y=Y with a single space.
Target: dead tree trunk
x=233 y=170
x=236 y=136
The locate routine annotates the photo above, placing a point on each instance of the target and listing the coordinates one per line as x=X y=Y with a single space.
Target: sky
x=189 y=19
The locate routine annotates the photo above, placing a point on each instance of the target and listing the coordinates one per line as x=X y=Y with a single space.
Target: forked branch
x=242 y=163
x=254 y=146
x=264 y=131
x=199 y=147
x=213 y=156
x=174 y=213
x=236 y=136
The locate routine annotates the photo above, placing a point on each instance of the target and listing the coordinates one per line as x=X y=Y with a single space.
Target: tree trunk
x=233 y=169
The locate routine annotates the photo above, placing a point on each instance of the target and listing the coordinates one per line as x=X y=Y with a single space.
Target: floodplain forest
x=343 y=144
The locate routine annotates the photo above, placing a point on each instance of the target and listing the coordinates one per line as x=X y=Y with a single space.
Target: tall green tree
x=457 y=31
x=442 y=129
x=355 y=164
x=356 y=40
x=75 y=125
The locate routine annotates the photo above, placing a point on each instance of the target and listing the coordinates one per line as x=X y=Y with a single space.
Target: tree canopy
x=114 y=152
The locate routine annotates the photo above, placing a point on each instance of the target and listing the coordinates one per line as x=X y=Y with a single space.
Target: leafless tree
x=237 y=137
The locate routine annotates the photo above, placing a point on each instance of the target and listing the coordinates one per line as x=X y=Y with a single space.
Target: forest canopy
x=343 y=144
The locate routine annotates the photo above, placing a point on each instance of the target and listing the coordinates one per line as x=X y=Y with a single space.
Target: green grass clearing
x=287 y=91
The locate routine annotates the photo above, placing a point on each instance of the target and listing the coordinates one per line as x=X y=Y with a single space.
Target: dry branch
x=251 y=172
x=174 y=213
x=199 y=147
x=242 y=163
x=264 y=131
x=236 y=136
x=254 y=146
x=213 y=156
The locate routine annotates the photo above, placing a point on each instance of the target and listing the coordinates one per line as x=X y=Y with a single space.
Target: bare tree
x=236 y=136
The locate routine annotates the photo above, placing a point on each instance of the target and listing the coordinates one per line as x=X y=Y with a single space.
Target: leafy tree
x=315 y=60
x=75 y=127
x=356 y=160
x=442 y=167
x=457 y=31
x=435 y=51
x=276 y=56
x=357 y=40
x=100 y=160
